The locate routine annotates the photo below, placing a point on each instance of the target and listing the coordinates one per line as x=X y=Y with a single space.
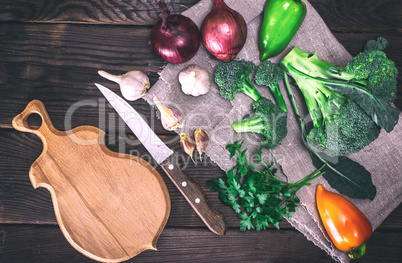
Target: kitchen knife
x=164 y=156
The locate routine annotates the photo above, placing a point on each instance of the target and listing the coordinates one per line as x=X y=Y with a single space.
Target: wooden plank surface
x=22 y=204
x=142 y=12
x=342 y=15
x=52 y=50
x=192 y=245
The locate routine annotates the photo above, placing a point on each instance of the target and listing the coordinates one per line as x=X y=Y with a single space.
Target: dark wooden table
x=52 y=50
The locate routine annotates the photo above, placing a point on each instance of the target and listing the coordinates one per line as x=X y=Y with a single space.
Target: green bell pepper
x=282 y=19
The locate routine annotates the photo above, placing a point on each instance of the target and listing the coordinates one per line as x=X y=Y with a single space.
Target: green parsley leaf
x=257 y=196
x=213 y=183
x=246 y=224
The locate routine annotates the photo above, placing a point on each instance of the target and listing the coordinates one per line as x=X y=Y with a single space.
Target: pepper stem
x=357 y=252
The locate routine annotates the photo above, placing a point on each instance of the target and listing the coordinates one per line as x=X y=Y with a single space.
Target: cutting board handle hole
x=34 y=121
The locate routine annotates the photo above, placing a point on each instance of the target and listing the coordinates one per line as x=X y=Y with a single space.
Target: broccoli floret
x=269 y=74
x=383 y=87
x=350 y=130
x=379 y=71
x=233 y=77
x=340 y=125
x=269 y=120
x=370 y=63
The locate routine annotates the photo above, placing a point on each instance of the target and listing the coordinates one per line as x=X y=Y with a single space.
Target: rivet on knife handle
x=195 y=196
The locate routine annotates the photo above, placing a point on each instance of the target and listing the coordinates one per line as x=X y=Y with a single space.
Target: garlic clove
x=133 y=84
x=171 y=118
x=194 y=80
x=187 y=144
x=201 y=140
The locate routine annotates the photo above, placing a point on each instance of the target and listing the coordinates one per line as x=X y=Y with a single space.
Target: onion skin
x=175 y=38
x=223 y=31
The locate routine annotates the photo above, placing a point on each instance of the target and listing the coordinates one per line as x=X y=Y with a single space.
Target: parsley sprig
x=257 y=196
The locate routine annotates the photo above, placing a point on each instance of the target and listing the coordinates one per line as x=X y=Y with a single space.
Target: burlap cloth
x=216 y=115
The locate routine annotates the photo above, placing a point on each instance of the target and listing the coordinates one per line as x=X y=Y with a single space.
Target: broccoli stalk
x=340 y=125
x=253 y=124
x=269 y=120
x=269 y=74
x=370 y=70
x=312 y=65
x=248 y=88
x=233 y=77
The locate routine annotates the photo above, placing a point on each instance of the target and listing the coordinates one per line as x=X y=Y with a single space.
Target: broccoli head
x=348 y=131
x=269 y=120
x=340 y=125
x=383 y=87
x=269 y=74
x=370 y=63
x=233 y=77
x=379 y=72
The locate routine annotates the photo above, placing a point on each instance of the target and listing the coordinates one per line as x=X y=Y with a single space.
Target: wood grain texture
x=142 y=12
x=61 y=63
x=342 y=15
x=109 y=212
x=17 y=194
x=193 y=245
x=20 y=203
x=360 y=16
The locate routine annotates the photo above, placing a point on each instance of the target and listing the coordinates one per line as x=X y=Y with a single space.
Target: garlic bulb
x=194 y=80
x=171 y=118
x=133 y=84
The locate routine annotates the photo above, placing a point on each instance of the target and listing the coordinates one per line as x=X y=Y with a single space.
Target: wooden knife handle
x=195 y=196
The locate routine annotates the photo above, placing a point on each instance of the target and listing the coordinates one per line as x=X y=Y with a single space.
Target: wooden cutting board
x=109 y=206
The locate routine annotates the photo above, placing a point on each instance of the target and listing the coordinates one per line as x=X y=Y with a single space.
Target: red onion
x=175 y=38
x=223 y=31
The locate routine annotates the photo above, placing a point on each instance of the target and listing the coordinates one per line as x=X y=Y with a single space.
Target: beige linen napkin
x=216 y=115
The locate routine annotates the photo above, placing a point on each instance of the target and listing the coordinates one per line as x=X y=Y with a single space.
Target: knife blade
x=165 y=157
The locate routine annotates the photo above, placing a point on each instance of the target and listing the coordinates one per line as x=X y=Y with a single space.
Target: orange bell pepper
x=348 y=228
